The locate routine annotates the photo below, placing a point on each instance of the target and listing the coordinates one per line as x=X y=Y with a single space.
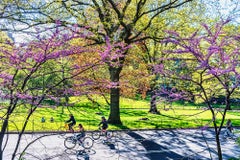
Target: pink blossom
x=6 y=76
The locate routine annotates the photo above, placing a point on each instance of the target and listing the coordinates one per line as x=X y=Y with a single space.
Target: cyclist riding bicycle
x=229 y=129
x=81 y=132
x=103 y=124
x=71 y=122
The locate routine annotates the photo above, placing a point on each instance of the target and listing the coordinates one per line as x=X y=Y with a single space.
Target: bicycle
x=98 y=133
x=228 y=134
x=85 y=142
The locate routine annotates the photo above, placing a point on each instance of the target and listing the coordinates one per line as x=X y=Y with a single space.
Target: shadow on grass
x=122 y=127
x=170 y=116
x=128 y=112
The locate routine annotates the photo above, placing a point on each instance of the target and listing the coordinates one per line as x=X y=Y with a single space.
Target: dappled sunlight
x=132 y=118
x=137 y=145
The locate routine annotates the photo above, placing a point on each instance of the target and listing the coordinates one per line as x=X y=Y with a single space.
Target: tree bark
x=3 y=131
x=114 y=117
x=153 y=103
x=227 y=102
x=219 y=147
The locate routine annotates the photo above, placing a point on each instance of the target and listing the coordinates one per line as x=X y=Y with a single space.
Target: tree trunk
x=219 y=150
x=227 y=102
x=153 y=103
x=22 y=131
x=219 y=147
x=3 y=131
x=114 y=117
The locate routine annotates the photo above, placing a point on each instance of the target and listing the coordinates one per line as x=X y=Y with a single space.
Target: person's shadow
x=83 y=154
x=109 y=144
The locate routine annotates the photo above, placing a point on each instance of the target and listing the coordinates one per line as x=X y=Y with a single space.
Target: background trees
x=182 y=19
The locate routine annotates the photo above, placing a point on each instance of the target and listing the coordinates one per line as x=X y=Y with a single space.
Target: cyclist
x=71 y=122
x=104 y=125
x=81 y=132
x=229 y=127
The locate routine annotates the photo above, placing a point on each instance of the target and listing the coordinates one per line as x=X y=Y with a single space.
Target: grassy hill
x=134 y=115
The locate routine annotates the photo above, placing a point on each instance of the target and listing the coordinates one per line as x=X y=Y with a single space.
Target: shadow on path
x=110 y=145
x=156 y=151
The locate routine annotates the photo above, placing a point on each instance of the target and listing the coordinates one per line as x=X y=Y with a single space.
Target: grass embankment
x=132 y=114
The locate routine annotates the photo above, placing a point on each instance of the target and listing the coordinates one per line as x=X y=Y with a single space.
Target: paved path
x=188 y=144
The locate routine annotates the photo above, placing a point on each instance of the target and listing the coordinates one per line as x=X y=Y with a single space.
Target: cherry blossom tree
x=24 y=65
x=207 y=60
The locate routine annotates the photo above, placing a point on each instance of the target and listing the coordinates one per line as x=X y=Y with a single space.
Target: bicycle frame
x=85 y=142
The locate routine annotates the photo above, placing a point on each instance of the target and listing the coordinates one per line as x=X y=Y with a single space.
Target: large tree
x=119 y=21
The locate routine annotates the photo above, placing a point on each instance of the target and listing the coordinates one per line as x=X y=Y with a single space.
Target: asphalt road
x=186 y=144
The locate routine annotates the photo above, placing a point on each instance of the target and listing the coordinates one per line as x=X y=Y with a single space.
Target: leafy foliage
x=208 y=60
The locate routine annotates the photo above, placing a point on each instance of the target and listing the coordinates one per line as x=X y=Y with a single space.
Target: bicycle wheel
x=87 y=142
x=96 y=135
x=69 y=142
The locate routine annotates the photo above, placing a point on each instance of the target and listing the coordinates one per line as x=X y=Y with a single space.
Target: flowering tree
x=209 y=61
x=24 y=66
x=121 y=21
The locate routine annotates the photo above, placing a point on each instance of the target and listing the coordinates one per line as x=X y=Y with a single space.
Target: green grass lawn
x=132 y=111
